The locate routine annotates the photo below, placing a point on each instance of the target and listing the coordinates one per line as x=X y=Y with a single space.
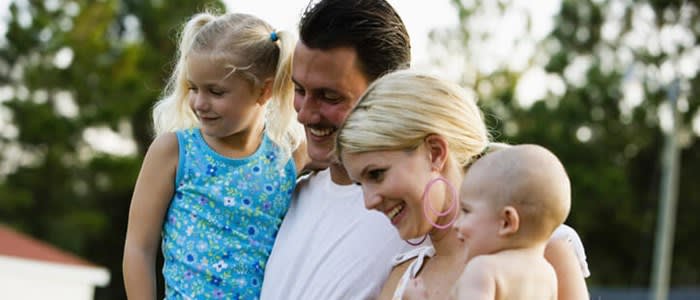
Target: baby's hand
x=415 y=290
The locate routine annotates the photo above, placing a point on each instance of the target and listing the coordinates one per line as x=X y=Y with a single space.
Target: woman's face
x=393 y=183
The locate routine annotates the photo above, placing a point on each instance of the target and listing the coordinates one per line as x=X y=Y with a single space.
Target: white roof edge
x=36 y=269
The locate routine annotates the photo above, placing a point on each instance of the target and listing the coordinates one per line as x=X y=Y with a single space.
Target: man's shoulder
x=315 y=175
x=307 y=179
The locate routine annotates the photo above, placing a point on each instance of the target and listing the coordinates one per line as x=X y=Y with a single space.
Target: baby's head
x=521 y=193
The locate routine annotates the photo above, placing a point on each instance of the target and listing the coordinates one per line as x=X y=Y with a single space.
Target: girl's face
x=393 y=183
x=225 y=104
x=478 y=222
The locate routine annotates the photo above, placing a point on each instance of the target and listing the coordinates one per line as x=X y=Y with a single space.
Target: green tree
x=74 y=72
x=605 y=67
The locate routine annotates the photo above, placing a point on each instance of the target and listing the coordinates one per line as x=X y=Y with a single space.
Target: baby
x=511 y=200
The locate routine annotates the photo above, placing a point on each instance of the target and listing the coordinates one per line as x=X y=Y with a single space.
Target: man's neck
x=338 y=174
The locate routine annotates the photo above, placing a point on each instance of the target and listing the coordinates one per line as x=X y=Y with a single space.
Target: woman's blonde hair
x=399 y=110
x=248 y=46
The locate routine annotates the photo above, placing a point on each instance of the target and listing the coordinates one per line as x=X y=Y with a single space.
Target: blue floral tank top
x=223 y=219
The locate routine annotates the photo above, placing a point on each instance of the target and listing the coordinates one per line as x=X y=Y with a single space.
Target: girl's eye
x=298 y=90
x=375 y=175
x=216 y=92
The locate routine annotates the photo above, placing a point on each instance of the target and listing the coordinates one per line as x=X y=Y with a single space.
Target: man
x=329 y=246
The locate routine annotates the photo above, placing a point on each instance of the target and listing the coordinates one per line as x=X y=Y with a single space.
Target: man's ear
x=510 y=221
x=265 y=92
x=437 y=151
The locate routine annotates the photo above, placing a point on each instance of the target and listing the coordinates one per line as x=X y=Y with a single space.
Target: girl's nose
x=200 y=102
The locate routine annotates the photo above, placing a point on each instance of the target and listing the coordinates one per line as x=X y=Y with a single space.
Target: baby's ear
x=510 y=221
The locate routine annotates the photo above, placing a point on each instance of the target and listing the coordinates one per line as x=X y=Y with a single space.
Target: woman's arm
x=149 y=203
x=571 y=283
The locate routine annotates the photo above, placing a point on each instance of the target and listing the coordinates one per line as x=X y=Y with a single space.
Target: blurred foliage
x=71 y=66
x=612 y=151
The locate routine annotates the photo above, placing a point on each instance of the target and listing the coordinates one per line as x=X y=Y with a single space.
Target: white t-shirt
x=330 y=246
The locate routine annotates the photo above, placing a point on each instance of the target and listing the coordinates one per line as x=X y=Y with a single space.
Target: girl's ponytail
x=172 y=111
x=282 y=127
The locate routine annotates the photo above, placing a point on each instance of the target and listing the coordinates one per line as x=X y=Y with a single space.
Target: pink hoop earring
x=416 y=244
x=426 y=203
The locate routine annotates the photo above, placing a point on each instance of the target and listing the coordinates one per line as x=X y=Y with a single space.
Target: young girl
x=218 y=178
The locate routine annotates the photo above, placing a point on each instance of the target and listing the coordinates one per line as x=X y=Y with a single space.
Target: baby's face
x=479 y=220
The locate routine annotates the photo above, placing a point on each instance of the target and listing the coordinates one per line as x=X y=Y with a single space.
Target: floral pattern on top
x=222 y=220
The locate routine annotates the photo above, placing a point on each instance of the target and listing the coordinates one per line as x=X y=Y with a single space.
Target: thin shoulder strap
x=413 y=269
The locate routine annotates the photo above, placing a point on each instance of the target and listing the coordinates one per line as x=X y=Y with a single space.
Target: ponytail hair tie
x=273 y=36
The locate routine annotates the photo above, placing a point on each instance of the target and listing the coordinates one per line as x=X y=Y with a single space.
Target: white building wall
x=23 y=288
x=24 y=279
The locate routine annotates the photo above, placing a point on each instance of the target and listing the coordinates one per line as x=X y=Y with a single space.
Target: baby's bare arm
x=476 y=282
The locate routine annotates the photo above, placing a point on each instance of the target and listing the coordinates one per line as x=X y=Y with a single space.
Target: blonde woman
x=407 y=143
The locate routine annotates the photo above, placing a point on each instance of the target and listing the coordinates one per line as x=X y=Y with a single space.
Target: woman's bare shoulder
x=393 y=280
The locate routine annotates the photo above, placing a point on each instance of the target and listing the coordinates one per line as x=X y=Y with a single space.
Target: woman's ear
x=265 y=92
x=510 y=221
x=437 y=151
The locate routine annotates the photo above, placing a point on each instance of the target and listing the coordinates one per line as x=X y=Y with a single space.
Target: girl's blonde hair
x=399 y=110
x=248 y=46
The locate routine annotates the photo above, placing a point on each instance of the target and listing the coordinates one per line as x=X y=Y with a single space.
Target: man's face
x=327 y=85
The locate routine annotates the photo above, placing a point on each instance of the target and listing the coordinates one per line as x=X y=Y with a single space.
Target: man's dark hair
x=371 y=27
